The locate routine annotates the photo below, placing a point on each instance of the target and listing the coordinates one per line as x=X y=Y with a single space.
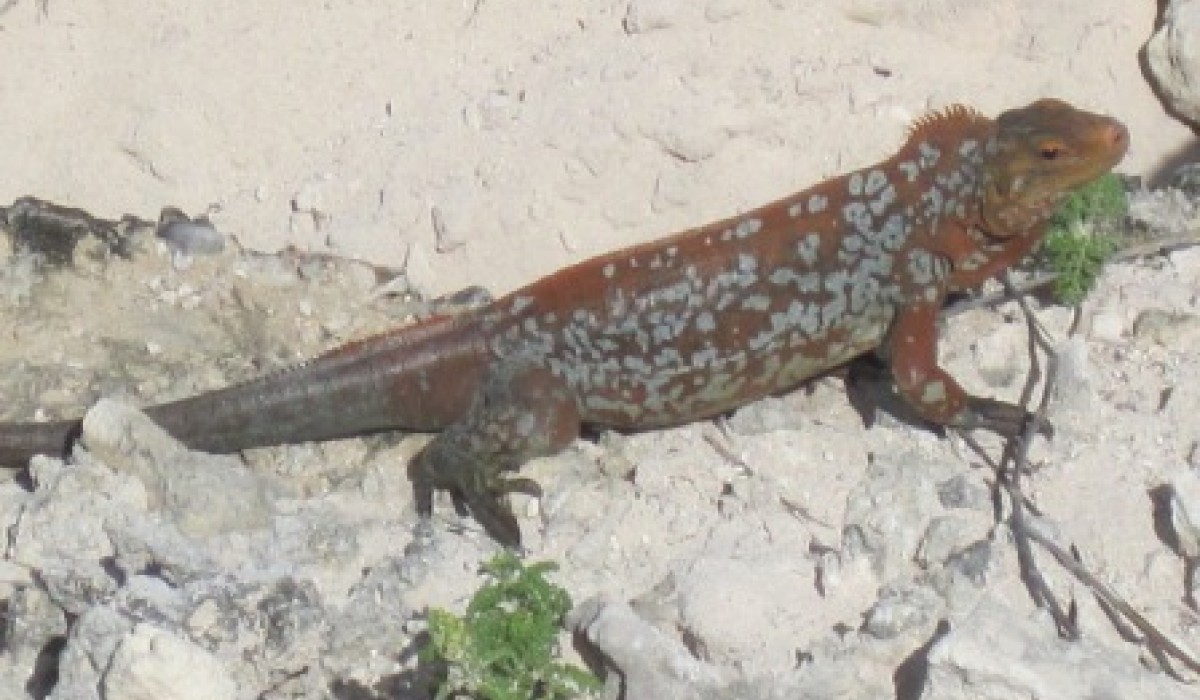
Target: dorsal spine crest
x=949 y=118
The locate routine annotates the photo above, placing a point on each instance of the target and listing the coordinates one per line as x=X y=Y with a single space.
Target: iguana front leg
x=929 y=389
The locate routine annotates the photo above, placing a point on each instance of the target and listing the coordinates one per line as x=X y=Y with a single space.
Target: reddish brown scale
x=688 y=326
x=673 y=392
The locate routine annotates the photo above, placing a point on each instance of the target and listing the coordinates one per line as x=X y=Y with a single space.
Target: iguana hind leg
x=521 y=412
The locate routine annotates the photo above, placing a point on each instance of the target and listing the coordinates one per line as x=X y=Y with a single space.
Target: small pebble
x=188 y=236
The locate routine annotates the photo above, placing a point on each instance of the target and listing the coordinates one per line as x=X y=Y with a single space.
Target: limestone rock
x=151 y=664
x=995 y=654
x=1173 y=56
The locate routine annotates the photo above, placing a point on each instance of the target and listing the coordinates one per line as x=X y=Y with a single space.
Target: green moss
x=504 y=647
x=1101 y=201
x=1077 y=243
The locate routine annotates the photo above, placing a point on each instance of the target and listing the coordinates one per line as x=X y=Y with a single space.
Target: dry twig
x=1014 y=463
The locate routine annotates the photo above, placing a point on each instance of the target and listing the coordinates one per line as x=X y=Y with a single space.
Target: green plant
x=1077 y=243
x=502 y=648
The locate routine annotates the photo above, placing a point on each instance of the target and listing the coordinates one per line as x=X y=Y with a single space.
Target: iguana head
x=1037 y=156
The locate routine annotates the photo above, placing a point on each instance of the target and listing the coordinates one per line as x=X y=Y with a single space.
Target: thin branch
x=1014 y=462
x=1155 y=638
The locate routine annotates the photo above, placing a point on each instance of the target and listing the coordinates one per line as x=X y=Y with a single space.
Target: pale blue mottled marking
x=876 y=181
x=808 y=248
x=805 y=283
x=894 y=232
x=756 y=302
x=857 y=215
x=920 y=266
x=856 y=185
x=520 y=303
x=929 y=155
x=748 y=227
x=885 y=199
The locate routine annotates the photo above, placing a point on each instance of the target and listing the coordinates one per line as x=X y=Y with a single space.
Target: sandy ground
x=488 y=142
x=492 y=141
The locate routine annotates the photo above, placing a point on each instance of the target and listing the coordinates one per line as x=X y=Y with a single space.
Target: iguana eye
x=1050 y=151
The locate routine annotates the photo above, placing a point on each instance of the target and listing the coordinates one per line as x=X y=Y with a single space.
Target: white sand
x=540 y=132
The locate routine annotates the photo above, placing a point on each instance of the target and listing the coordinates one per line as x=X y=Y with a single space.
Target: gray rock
x=187 y=236
x=902 y=609
x=975 y=561
x=370 y=623
x=93 y=640
x=964 y=491
x=148 y=546
x=887 y=514
x=651 y=665
x=1169 y=213
x=62 y=530
x=1187 y=179
x=33 y=624
x=946 y=535
x=151 y=599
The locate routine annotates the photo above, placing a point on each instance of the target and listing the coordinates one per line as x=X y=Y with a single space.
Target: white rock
x=902 y=609
x=1173 y=58
x=1075 y=390
x=1185 y=511
x=34 y=621
x=151 y=664
x=91 y=644
x=1169 y=210
x=1107 y=324
x=752 y=629
x=945 y=535
x=995 y=654
x=652 y=665
x=64 y=530
x=203 y=494
x=1001 y=355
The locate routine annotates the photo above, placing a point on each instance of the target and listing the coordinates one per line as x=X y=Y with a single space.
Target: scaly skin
x=686 y=327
